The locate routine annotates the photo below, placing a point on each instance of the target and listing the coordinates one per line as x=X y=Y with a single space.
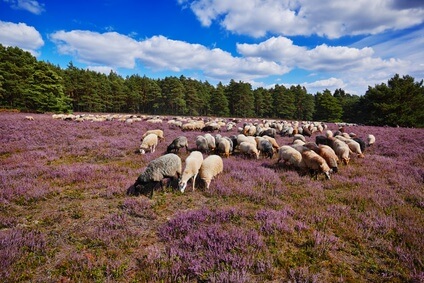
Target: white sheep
x=158 y=132
x=211 y=141
x=299 y=137
x=224 y=147
x=165 y=166
x=341 y=149
x=29 y=118
x=316 y=163
x=291 y=156
x=370 y=140
x=355 y=147
x=211 y=166
x=193 y=163
x=330 y=156
x=249 y=149
x=149 y=143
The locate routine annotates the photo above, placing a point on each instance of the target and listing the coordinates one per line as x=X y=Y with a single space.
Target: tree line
x=37 y=86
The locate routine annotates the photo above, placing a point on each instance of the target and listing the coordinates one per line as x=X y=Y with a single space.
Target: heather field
x=65 y=215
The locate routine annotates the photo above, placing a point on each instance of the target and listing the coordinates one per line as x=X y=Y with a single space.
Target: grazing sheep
x=271 y=132
x=265 y=147
x=211 y=141
x=315 y=163
x=165 y=166
x=291 y=156
x=149 y=143
x=29 y=118
x=330 y=157
x=224 y=147
x=355 y=147
x=243 y=138
x=231 y=143
x=273 y=141
x=249 y=149
x=323 y=139
x=299 y=137
x=193 y=163
x=158 y=132
x=341 y=149
x=202 y=144
x=211 y=166
x=176 y=144
x=306 y=132
x=361 y=143
x=370 y=140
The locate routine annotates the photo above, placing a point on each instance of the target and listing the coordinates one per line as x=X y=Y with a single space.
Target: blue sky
x=348 y=44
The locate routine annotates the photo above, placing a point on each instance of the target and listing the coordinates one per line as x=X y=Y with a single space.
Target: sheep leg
x=194 y=180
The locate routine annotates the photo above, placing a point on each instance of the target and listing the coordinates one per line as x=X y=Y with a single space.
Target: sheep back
x=211 y=166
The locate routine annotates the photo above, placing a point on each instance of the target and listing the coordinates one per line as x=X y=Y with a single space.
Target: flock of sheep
x=253 y=141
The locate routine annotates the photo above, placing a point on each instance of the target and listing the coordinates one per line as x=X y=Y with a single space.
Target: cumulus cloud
x=332 y=18
x=21 y=35
x=160 y=53
x=31 y=6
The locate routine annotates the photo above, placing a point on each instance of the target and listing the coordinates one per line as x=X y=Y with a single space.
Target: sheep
x=29 y=118
x=299 y=137
x=355 y=147
x=273 y=141
x=268 y=132
x=330 y=156
x=243 y=138
x=341 y=149
x=323 y=139
x=265 y=147
x=176 y=144
x=249 y=149
x=291 y=156
x=193 y=163
x=188 y=127
x=165 y=166
x=224 y=147
x=211 y=167
x=202 y=144
x=158 y=132
x=370 y=140
x=361 y=143
x=149 y=143
x=315 y=163
x=211 y=141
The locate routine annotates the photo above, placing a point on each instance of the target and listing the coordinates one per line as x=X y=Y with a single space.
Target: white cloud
x=160 y=53
x=110 y=48
x=320 y=85
x=332 y=18
x=31 y=6
x=20 y=35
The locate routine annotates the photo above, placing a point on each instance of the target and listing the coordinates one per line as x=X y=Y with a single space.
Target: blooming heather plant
x=65 y=215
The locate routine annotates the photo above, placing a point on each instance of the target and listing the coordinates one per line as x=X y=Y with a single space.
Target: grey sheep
x=176 y=144
x=165 y=166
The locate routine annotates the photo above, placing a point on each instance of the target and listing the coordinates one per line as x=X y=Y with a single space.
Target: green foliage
x=284 y=102
x=219 y=102
x=240 y=98
x=399 y=103
x=30 y=85
x=328 y=108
